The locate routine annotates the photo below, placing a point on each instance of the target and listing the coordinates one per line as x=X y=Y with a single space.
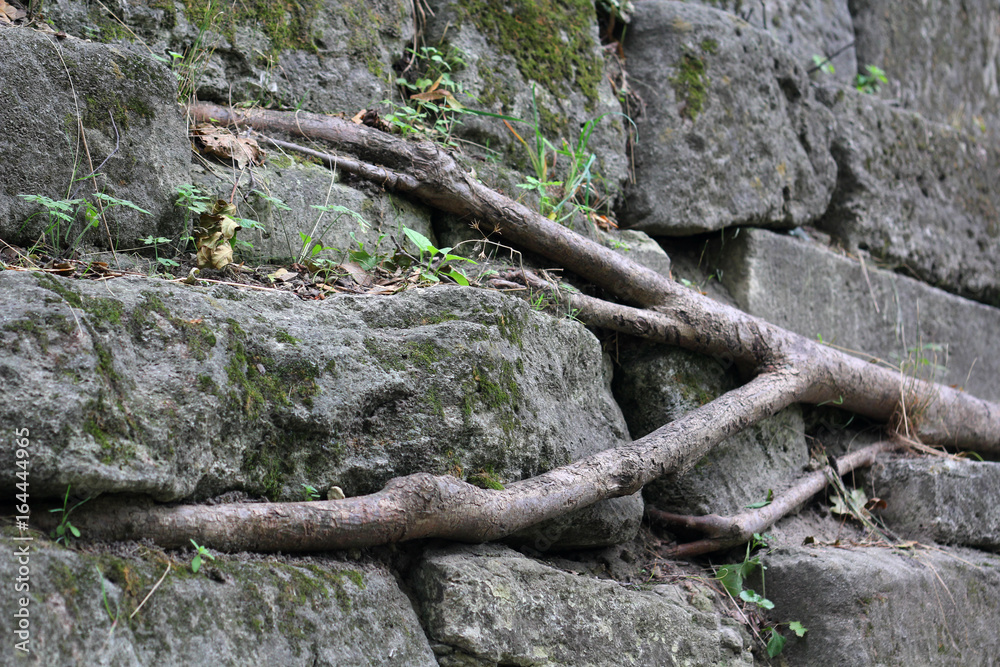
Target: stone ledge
x=953 y=502
x=810 y=290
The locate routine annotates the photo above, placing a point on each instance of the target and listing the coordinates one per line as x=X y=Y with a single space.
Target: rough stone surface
x=805 y=28
x=133 y=129
x=876 y=607
x=524 y=58
x=657 y=384
x=328 y=56
x=942 y=57
x=803 y=287
x=918 y=195
x=287 y=611
x=731 y=133
x=952 y=502
x=188 y=392
x=488 y=605
x=302 y=185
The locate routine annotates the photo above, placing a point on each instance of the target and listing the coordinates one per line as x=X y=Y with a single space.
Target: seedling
x=871 y=80
x=201 y=552
x=65 y=529
x=732 y=578
x=310 y=492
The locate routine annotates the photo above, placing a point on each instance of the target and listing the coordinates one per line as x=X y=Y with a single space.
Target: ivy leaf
x=775 y=644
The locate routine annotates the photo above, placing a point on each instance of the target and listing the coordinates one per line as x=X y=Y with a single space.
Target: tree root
x=727 y=532
x=782 y=368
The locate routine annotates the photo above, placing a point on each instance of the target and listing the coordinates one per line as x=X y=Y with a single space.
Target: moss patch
x=550 y=40
x=287 y=23
x=258 y=380
x=691 y=85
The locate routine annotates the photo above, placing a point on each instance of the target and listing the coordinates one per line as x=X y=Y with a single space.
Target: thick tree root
x=784 y=367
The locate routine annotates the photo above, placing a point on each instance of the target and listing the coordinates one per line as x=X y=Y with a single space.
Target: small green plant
x=61 y=214
x=156 y=242
x=871 y=80
x=113 y=617
x=434 y=262
x=189 y=66
x=431 y=106
x=309 y=492
x=732 y=577
x=200 y=552
x=66 y=529
x=576 y=190
x=193 y=198
x=823 y=64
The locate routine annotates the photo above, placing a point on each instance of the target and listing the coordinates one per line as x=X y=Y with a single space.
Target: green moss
x=497 y=390
x=56 y=285
x=486 y=479
x=363 y=42
x=432 y=399
x=112 y=430
x=288 y=24
x=709 y=46
x=207 y=385
x=550 y=40
x=278 y=384
x=103 y=310
x=691 y=85
x=106 y=365
x=283 y=336
x=309 y=582
x=511 y=326
x=382 y=356
x=425 y=354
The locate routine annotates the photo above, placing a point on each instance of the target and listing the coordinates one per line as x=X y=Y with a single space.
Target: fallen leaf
x=282 y=275
x=9 y=13
x=212 y=236
x=223 y=144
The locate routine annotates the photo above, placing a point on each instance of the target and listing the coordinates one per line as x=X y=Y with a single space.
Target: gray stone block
x=920 y=196
x=805 y=28
x=803 y=287
x=947 y=501
x=489 y=605
x=134 y=131
x=873 y=606
x=234 y=611
x=942 y=57
x=730 y=132
x=326 y=57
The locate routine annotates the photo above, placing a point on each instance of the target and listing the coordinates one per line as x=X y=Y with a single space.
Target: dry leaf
x=223 y=144
x=9 y=13
x=282 y=275
x=212 y=236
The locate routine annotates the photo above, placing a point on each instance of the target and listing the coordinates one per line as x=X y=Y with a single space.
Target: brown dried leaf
x=9 y=13
x=282 y=275
x=215 y=228
x=223 y=144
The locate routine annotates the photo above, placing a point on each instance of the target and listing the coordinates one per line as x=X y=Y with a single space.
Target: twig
x=224 y=282
x=151 y=591
x=830 y=57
